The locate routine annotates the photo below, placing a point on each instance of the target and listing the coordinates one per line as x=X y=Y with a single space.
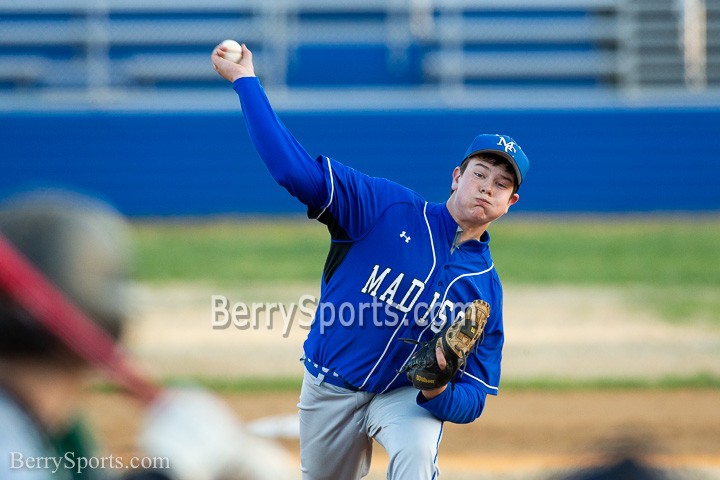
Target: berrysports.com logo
x=79 y=464
x=262 y=315
x=308 y=310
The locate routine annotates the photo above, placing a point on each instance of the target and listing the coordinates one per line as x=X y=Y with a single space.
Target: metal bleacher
x=530 y=42
x=128 y=45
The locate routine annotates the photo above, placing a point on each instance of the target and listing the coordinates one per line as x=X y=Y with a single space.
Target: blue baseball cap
x=505 y=147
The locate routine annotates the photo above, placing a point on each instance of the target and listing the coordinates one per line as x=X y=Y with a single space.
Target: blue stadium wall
x=186 y=164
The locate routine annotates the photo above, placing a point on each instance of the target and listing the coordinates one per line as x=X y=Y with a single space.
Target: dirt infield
x=558 y=333
x=551 y=332
x=522 y=434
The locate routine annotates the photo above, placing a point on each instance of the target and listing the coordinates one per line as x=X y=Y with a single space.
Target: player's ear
x=513 y=200
x=455 y=178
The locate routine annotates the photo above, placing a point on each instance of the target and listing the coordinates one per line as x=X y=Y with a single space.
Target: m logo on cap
x=509 y=147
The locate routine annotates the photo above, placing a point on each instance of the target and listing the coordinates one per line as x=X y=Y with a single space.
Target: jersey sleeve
x=288 y=162
x=462 y=403
x=354 y=199
x=334 y=193
x=483 y=365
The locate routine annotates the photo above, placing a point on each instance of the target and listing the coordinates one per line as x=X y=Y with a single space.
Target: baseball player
x=79 y=245
x=399 y=273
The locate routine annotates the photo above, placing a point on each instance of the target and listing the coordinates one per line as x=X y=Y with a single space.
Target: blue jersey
x=393 y=271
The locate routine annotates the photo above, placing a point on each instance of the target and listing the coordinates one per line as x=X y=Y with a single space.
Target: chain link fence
x=108 y=45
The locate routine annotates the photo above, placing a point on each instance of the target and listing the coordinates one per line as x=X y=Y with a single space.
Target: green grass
x=230 y=252
x=587 y=251
x=241 y=384
x=292 y=384
x=698 y=381
x=609 y=251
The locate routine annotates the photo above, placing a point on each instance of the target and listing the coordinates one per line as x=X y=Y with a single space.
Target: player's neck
x=463 y=236
x=471 y=234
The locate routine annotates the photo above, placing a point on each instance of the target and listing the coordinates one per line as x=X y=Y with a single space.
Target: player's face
x=481 y=194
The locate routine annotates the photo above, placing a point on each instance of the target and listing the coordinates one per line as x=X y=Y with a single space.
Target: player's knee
x=414 y=459
x=415 y=449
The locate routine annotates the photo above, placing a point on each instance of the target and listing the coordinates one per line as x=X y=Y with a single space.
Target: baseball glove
x=456 y=342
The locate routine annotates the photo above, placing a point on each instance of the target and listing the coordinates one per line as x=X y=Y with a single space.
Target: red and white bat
x=27 y=287
x=175 y=421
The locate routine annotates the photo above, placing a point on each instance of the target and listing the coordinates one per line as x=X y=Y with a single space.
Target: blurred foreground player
x=81 y=246
x=399 y=277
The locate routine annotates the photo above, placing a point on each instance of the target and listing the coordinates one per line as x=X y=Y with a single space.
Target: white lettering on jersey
x=405 y=307
x=373 y=282
x=442 y=318
x=389 y=293
x=437 y=318
x=423 y=319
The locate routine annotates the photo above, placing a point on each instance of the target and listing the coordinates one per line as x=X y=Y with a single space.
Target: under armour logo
x=404 y=235
x=509 y=147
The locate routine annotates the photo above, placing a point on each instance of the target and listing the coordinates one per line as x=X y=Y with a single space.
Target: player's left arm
x=464 y=401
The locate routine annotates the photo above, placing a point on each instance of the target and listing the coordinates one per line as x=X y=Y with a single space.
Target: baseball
x=233 y=52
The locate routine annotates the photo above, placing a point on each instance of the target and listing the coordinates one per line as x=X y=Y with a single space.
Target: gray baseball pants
x=337 y=426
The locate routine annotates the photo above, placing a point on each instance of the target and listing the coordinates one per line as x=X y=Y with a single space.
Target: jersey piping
x=427 y=279
x=476 y=378
x=332 y=189
x=431 y=322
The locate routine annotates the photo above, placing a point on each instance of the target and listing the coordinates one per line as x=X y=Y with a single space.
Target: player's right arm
x=288 y=162
x=333 y=192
